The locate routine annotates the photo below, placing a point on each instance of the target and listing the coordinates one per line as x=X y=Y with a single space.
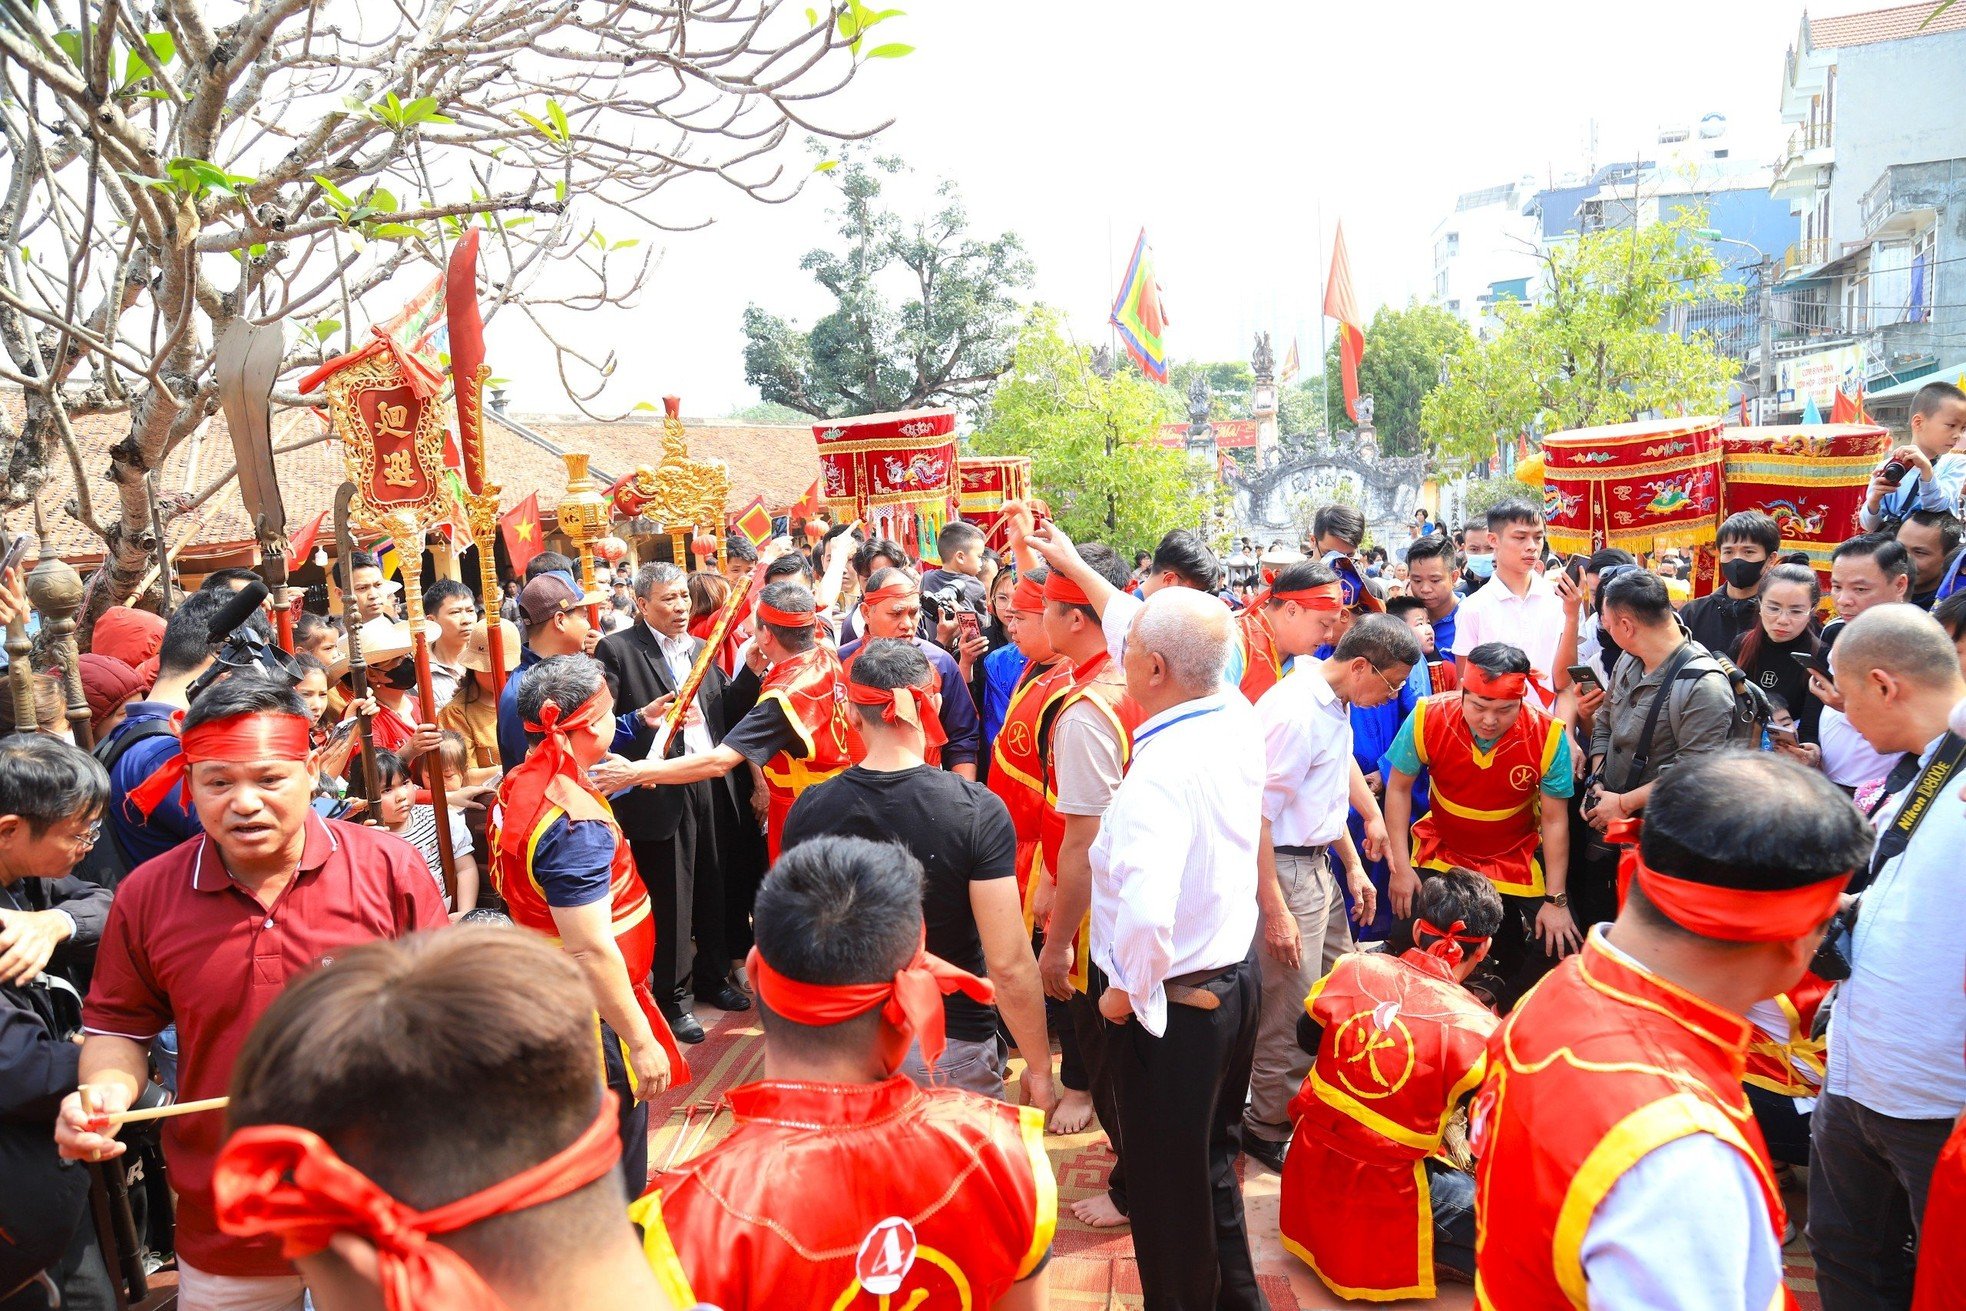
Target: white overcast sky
x=1228 y=130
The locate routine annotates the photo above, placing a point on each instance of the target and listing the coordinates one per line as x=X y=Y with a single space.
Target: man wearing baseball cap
x=553 y=609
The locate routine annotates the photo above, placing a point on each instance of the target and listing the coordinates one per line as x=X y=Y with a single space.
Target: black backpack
x=107 y=863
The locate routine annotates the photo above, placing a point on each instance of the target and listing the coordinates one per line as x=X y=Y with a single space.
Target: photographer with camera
x=892 y=607
x=1923 y=474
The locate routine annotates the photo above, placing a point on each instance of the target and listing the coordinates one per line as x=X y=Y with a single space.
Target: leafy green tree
x=1094 y=442
x=769 y=412
x=926 y=311
x=1403 y=351
x=1590 y=350
x=1300 y=406
x=1230 y=384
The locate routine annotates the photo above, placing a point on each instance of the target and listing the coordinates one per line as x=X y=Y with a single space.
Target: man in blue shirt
x=1432 y=571
x=147 y=737
x=554 y=611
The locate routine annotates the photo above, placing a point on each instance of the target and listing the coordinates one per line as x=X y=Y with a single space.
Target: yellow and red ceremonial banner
x=896 y=473
x=524 y=531
x=987 y=481
x=754 y=521
x=1639 y=486
x=1340 y=304
x=1229 y=435
x=1809 y=479
x=1139 y=313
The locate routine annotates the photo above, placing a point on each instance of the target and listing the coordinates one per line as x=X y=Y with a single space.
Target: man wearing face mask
x=1746 y=542
x=1479 y=565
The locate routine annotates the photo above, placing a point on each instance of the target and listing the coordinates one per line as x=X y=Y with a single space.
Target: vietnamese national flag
x=811 y=505
x=301 y=544
x=525 y=533
x=1340 y=305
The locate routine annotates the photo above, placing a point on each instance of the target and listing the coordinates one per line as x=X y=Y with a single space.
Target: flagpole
x=1324 y=379
x=1112 y=295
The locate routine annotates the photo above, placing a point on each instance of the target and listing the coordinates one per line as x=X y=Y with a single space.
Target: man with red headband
x=564 y=869
x=845 y=1184
x=797 y=733
x=380 y=1138
x=1294 y=616
x=1368 y=1200
x=1499 y=773
x=208 y=935
x=1619 y=1161
x=891 y=607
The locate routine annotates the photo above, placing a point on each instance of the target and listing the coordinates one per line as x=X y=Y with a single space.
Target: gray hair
x=45 y=780
x=659 y=573
x=564 y=681
x=1190 y=631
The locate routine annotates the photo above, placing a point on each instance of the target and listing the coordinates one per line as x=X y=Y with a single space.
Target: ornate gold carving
x=380 y=372
x=679 y=492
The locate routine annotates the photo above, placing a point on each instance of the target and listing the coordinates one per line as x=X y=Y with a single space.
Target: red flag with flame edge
x=754 y=521
x=525 y=533
x=302 y=542
x=1340 y=305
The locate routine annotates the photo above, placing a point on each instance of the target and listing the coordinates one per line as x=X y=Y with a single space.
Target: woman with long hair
x=1785 y=629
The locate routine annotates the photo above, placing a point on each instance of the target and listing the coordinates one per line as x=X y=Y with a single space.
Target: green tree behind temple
x=1093 y=442
x=1403 y=351
x=925 y=311
x=1591 y=350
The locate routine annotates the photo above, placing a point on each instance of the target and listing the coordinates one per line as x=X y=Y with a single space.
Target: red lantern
x=612 y=550
x=702 y=547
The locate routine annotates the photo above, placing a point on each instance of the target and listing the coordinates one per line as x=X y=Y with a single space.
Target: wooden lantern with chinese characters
x=680 y=493
x=986 y=483
x=1640 y=486
x=896 y=473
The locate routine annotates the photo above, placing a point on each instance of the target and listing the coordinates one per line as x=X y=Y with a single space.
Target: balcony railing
x=1804 y=254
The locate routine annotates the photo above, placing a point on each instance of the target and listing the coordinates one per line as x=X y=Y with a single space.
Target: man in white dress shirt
x=1307 y=793
x=1520 y=606
x=1173 y=922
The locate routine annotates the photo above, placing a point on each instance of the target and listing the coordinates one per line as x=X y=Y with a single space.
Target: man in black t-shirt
x=962 y=835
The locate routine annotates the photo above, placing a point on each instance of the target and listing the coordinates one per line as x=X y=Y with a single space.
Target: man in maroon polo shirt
x=207 y=935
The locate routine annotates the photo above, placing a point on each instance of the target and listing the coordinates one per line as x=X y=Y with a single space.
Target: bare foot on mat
x=1098 y=1211
x=1073 y=1113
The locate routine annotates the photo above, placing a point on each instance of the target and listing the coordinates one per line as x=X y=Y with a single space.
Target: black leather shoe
x=686 y=1028
x=1262 y=1149
x=727 y=996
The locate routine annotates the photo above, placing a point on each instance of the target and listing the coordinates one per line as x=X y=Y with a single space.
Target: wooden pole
x=408 y=533
x=56 y=591
x=358 y=668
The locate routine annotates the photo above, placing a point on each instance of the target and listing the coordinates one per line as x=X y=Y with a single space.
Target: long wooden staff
x=358 y=668
x=407 y=530
x=686 y=694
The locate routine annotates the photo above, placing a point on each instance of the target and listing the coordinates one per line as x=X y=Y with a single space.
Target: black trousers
x=1179 y=1123
x=1093 y=1037
x=684 y=879
x=634 y=1116
x=742 y=856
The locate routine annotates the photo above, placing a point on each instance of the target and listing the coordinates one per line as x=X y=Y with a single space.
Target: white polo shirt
x=1307 y=744
x=1174 y=865
x=1532 y=622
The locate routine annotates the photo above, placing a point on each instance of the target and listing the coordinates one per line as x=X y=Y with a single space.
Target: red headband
x=549 y=770
x=911 y=1001
x=1451 y=940
x=777 y=618
x=279 y=1180
x=1028 y=596
x=892 y=592
x=1727 y=914
x=1063 y=590
x=252 y=735
x=1504 y=687
x=1325 y=596
x=915 y=706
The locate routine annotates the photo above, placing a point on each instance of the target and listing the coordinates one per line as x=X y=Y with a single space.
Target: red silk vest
x=1941 y=1256
x=1484 y=813
x=628 y=902
x=1601 y=1063
x=1356 y=1202
x=1793 y=1066
x=857 y=749
x=1098 y=683
x=1262 y=662
x=811 y=692
x=860 y=1197
x=1017 y=761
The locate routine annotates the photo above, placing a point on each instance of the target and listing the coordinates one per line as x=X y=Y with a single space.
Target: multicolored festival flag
x=1290 y=364
x=1339 y=304
x=1139 y=313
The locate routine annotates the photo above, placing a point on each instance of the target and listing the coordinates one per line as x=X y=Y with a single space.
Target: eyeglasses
x=1392 y=688
x=1770 y=611
x=89 y=835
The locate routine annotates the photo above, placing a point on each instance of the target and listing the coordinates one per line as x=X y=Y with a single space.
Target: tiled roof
x=1893 y=24
x=779 y=463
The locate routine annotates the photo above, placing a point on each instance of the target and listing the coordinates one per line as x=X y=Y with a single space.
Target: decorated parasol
x=986 y=482
x=1809 y=478
x=1640 y=486
x=896 y=473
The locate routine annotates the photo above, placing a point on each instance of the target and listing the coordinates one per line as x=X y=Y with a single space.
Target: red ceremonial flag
x=1843 y=409
x=754 y=521
x=1340 y=305
x=301 y=544
x=525 y=533
x=810 y=504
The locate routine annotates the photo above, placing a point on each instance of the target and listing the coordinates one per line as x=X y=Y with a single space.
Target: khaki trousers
x=1311 y=892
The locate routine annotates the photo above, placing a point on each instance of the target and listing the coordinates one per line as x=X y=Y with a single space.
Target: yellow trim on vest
x=997 y=761
x=1030 y=1125
x=1551 y=741
x=1534 y=888
x=799 y=729
x=659 y=1251
x=1424 y=1266
x=1341 y=1100
x=1420 y=729
x=1645 y=1130
x=1469 y=812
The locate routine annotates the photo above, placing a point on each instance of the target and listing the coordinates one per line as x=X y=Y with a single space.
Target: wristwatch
x=1560 y=900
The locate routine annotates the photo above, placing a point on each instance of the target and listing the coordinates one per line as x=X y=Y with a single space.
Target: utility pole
x=1765 y=372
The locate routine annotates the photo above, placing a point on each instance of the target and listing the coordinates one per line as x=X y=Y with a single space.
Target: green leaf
x=559 y=117
x=892 y=50
x=826 y=166
x=812 y=18
x=69 y=42
x=625 y=243
x=542 y=127
x=162 y=44
x=336 y=196
x=519 y=222
x=643 y=405
x=381 y=200
x=325 y=329
x=397 y=231
x=560 y=191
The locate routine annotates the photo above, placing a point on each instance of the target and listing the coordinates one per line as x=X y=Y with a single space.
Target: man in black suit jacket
x=675 y=831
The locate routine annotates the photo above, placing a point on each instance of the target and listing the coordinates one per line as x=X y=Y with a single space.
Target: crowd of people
x=1541 y=924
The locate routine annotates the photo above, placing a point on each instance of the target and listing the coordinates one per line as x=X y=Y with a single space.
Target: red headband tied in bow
x=1449 y=943
x=275 y=1179
x=917 y=707
x=549 y=773
x=242 y=738
x=910 y=1002
x=1503 y=687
